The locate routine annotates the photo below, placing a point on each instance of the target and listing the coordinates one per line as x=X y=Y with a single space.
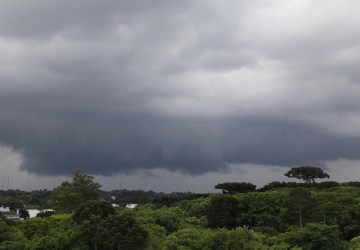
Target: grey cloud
x=106 y=145
x=38 y=19
x=117 y=86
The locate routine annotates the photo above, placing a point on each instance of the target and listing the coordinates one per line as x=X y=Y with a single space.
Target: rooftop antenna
x=145 y=184
x=3 y=182
x=8 y=183
x=121 y=182
x=27 y=182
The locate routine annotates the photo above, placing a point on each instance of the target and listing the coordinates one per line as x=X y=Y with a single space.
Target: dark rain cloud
x=116 y=86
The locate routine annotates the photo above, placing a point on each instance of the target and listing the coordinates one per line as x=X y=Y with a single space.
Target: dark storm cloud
x=38 y=19
x=124 y=85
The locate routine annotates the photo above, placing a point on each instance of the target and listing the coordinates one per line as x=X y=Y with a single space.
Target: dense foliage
x=280 y=216
x=236 y=187
x=69 y=195
x=307 y=173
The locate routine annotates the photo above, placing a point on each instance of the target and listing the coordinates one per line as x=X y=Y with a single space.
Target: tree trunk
x=300 y=217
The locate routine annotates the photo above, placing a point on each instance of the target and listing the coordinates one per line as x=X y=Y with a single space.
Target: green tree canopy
x=166 y=200
x=300 y=201
x=222 y=211
x=123 y=232
x=236 y=187
x=238 y=238
x=315 y=237
x=261 y=209
x=93 y=208
x=190 y=238
x=69 y=195
x=349 y=222
x=306 y=173
x=51 y=233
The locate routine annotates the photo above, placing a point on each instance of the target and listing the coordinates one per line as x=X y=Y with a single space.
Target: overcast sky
x=178 y=95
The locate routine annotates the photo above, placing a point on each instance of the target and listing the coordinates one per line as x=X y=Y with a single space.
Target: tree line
x=281 y=216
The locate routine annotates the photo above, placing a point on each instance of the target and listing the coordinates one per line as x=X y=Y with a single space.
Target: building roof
x=131 y=206
x=11 y=215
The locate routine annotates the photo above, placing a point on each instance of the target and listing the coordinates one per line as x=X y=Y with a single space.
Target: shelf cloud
x=188 y=86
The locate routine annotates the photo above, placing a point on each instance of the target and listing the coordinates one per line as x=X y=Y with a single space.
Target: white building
x=131 y=206
x=11 y=215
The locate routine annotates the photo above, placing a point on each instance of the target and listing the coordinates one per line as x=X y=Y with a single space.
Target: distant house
x=4 y=209
x=34 y=212
x=11 y=215
x=131 y=206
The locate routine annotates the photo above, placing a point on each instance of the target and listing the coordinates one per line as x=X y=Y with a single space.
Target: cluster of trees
x=236 y=187
x=307 y=173
x=17 y=198
x=107 y=230
x=281 y=217
x=82 y=221
x=124 y=197
x=69 y=195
